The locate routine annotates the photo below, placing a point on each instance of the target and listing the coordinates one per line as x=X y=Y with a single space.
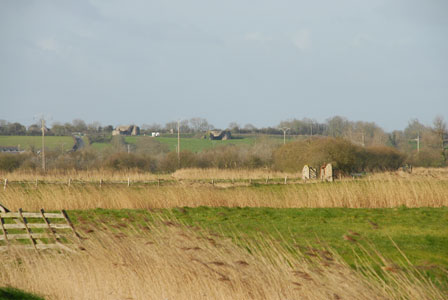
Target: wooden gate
x=38 y=230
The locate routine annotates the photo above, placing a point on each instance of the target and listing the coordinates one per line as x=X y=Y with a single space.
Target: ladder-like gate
x=38 y=230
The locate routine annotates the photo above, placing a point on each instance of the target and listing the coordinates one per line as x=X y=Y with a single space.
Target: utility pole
x=43 y=144
x=178 y=142
x=418 y=142
x=284 y=129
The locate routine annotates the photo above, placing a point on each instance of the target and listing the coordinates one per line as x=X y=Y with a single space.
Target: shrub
x=127 y=161
x=344 y=156
x=10 y=162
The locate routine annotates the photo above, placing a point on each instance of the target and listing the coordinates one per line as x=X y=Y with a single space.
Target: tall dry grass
x=387 y=190
x=135 y=175
x=176 y=263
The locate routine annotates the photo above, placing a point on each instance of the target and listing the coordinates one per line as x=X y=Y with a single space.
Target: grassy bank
x=419 y=232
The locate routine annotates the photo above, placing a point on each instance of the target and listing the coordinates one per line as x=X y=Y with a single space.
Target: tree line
x=425 y=145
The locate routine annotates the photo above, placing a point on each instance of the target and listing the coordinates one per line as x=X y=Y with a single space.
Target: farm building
x=126 y=130
x=220 y=135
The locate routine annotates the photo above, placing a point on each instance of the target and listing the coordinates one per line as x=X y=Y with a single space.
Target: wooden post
x=101 y=182
x=27 y=229
x=69 y=222
x=267 y=180
x=4 y=230
x=36 y=183
x=129 y=182
x=5 y=184
x=52 y=231
x=69 y=181
x=286 y=178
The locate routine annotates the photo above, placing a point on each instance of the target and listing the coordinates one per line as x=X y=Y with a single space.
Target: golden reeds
x=377 y=191
x=173 y=262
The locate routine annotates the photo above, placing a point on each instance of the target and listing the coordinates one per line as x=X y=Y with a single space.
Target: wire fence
x=157 y=182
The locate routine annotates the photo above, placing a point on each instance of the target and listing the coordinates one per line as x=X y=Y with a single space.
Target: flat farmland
x=28 y=142
x=194 y=144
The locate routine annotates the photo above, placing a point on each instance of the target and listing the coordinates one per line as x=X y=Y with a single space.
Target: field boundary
x=160 y=182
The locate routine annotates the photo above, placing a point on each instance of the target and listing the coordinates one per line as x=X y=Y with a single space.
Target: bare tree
x=200 y=124
x=440 y=130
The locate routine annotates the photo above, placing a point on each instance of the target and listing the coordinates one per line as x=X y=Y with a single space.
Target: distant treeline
x=419 y=144
x=150 y=155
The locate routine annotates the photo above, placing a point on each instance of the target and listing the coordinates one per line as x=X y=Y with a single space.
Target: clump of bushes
x=128 y=161
x=9 y=162
x=344 y=156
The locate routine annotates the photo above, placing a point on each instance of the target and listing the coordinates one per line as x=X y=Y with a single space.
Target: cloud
x=49 y=44
x=257 y=37
x=302 y=40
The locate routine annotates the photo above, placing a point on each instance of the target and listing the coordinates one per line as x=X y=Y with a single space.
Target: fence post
x=5 y=184
x=267 y=180
x=286 y=178
x=69 y=181
x=36 y=183
x=101 y=182
x=129 y=182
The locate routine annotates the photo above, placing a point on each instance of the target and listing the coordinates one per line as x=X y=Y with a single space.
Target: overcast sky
x=259 y=62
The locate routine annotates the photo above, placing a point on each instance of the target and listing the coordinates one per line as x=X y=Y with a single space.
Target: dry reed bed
x=389 y=191
x=108 y=175
x=176 y=263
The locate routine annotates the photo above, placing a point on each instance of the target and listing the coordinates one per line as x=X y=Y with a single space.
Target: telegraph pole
x=284 y=129
x=178 y=142
x=43 y=144
x=418 y=142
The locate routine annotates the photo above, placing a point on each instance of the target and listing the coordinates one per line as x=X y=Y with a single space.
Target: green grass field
x=194 y=144
x=421 y=233
x=27 y=142
x=66 y=142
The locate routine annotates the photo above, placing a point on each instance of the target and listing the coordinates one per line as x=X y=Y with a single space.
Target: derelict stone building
x=126 y=130
x=220 y=135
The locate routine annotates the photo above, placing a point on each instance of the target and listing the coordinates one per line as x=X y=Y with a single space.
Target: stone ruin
x=309 y=173
x=219 y=135
x=126 y=130
x=327 y=173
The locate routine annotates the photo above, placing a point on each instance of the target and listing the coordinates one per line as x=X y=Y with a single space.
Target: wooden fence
x=158 y=182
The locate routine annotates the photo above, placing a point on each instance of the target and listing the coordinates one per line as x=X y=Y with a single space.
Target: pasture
x=35 y=142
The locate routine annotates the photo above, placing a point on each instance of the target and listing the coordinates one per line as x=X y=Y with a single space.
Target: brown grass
x=134 y=175
x=376 y=191
x=173 y=262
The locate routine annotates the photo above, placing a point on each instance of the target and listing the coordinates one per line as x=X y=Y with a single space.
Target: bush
x=428 y=158
x=9 y=162
x=127 y=161
x=383 y=158
x=344 y=156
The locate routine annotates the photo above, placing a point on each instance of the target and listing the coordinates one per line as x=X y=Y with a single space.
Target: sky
x=245 y=61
